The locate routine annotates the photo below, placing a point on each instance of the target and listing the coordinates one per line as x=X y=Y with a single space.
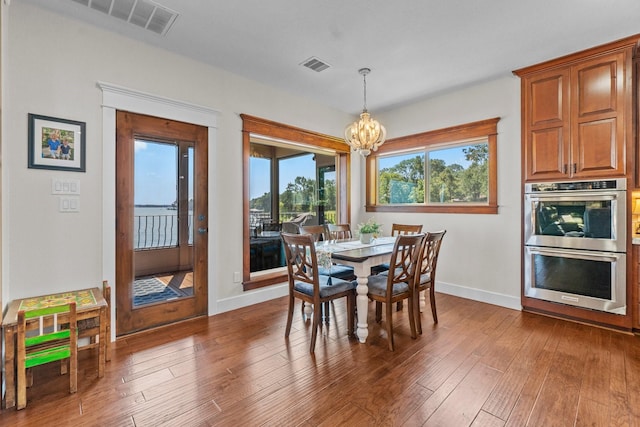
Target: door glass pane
x=156 y=198
x=162 y=218
x=574 y=275
x=573 y=218
x=190 y=197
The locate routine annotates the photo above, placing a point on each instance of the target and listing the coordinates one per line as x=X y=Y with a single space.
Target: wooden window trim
x=255 y=126
x=482 y=129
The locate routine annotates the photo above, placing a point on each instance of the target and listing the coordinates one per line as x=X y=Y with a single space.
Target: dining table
x=360 y=256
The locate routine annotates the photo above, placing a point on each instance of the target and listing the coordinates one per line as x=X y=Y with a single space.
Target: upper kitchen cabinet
x=576 y=114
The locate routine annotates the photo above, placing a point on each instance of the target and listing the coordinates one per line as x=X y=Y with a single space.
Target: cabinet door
x=598 y=126
x=546 y=120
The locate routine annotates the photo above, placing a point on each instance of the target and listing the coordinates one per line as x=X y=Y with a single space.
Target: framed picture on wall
x=57 y=144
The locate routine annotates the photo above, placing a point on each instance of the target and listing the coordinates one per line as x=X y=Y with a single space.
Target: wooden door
x=597 y=130
x=132 y=256
x=546 y=113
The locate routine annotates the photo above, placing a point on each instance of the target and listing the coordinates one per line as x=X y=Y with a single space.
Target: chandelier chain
x=364 y=79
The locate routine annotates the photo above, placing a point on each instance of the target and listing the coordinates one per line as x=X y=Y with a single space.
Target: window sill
x=265 y=280
x=479 y=209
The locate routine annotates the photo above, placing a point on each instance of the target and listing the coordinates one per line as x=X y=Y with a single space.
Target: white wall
x=480 y=256
x=55 y=73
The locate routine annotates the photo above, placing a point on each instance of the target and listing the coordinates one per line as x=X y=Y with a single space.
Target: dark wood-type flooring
x=482 y=365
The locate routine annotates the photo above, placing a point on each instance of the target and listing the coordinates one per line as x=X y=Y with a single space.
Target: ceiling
x=415 y=48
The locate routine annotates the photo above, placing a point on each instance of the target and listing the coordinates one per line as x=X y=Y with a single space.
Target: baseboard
x=494 y=298
x=250 y=298
x=277 y=291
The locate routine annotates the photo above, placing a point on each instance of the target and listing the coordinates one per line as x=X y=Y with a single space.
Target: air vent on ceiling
x=315 y=64
x=143 y=13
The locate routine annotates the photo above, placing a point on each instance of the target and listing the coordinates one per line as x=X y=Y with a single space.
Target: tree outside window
x=448 y=170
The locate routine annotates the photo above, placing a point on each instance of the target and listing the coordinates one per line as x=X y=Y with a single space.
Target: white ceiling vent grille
x=143 y=13
x=315 y=64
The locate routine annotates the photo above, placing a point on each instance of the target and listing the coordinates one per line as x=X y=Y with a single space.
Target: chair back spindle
x=339 y=231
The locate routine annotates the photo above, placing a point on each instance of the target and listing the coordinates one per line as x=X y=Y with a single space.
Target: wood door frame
x=128 y=127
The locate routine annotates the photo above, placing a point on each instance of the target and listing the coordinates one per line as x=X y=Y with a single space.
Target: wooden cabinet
x=577 y=123
x=546 y=124
x=575 y=116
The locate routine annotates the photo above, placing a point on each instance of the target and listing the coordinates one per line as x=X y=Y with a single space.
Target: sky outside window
x=155 y=173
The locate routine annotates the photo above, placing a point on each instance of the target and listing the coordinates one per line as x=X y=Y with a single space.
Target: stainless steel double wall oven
x=575 y=243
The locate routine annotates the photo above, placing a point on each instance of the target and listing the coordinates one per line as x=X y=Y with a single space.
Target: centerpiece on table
x=369 y=230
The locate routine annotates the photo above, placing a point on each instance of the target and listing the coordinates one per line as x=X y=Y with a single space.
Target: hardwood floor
x=482 y=365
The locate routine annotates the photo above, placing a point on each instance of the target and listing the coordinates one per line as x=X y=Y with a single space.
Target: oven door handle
x=574 y=196
x=579 y=254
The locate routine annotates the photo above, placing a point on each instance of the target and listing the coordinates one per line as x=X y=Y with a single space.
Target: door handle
x=202 y=230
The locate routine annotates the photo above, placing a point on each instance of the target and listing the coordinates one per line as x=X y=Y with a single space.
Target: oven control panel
x=609 y=184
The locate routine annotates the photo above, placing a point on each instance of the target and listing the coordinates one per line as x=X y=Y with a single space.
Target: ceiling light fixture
x=366 y=134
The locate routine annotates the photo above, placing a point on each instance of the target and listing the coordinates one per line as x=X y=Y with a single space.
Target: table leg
x=9 y=367
x=362 y=304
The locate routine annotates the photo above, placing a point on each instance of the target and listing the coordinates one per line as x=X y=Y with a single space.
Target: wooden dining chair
x=425 y=277
x=401 y=229
x=397 y=230
x=319 y=232
x=398 y=284
x=306 y=284
x=322 y=233
x=340 y=271
x=48 y=343
x=339 y=231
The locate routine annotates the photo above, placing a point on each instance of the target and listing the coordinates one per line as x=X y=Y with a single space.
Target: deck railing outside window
x=257 y=218
x=158 y=231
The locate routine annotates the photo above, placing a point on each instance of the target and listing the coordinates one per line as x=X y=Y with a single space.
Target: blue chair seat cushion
x=340 y=271
x=378 y=286
x=424 y=278
x=328 y=286
x=381 y=268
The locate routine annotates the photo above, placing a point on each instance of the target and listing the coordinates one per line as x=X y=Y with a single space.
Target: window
x=448 y=170
x=290 y=185
x=290 y=174
x=401 y=179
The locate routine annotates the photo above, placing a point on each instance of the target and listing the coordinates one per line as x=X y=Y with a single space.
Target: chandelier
x=366 y=134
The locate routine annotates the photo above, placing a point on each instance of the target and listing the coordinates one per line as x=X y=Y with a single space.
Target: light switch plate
x=69 y=204
x=65 y=186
